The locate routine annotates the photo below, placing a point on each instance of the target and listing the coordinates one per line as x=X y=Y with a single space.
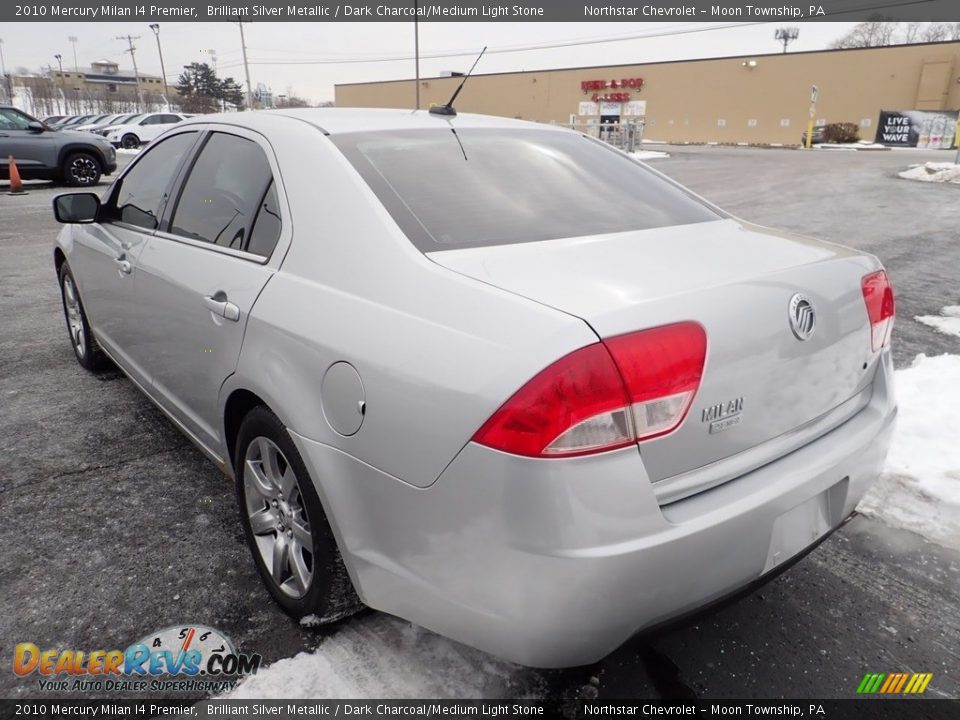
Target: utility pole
x=416 y=47
x=136 y=73
x=156 y=31
x=59 y=58
x=7 y=80
x=246 y=66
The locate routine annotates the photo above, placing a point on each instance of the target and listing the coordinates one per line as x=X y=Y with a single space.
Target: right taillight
x=604 y=396
x=878 y=296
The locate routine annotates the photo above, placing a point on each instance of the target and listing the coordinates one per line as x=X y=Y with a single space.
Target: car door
x=104 y=254
x=30 y=149
x=154 y=125
x=201 y=273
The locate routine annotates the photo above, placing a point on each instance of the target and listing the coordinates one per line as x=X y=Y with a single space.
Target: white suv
x=144 y=129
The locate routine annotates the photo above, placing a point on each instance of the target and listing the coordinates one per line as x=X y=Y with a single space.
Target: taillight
x=878 y=296
x=604 y=396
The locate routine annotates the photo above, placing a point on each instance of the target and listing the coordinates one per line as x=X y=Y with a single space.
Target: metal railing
x=626 y=135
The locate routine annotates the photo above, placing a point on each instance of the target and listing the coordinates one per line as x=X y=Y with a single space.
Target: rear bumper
x=556 y=563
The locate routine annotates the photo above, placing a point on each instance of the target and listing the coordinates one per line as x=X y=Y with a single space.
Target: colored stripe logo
x=894 y=683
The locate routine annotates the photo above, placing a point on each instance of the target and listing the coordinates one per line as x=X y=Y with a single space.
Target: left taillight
x=878 y=296
x=605 y=396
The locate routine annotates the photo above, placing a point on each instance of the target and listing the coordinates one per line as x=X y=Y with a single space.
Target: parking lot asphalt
x=112 y=525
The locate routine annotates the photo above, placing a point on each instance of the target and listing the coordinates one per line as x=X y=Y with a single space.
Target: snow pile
x=937 y=172
x=860 y=145
x=380 y=656
x=649 y=155
x=947 y=322
x=919 y=489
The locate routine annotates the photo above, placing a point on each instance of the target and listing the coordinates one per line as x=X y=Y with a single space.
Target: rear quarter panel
x=437 y=353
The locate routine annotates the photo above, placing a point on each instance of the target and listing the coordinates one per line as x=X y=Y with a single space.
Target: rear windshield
x=478 y=187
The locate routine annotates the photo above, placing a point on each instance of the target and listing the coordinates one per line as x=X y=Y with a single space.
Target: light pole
x=166 y=94
x=73 y=41
x=59 y=58
x=416 y=48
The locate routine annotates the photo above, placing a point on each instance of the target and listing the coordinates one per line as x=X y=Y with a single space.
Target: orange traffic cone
x=16 y=184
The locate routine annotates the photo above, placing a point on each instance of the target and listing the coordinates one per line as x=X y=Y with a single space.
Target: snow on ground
x=380 y=656
x=861 y=145
x=947 y=322
x=919 y=489
x=649 y=154
x=125 y=151
x=937 y=172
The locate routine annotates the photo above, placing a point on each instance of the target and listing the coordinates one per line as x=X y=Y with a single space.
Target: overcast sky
x=32 y=45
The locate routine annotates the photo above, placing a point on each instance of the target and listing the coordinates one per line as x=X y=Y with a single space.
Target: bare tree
x=911 y=32
x=936 y=32
x=875 y=32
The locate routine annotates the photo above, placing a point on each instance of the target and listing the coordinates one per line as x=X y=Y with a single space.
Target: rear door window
x=227 y=191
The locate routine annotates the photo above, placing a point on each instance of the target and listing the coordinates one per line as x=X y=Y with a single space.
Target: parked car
x=97 y=121
x=819 y=135
x=75 y=120
x=51 y=119
x=46 y=153
x=494 y=377
x=133 y=133
x=100 y=127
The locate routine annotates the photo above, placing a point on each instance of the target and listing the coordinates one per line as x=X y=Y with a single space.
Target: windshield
x=478 y=187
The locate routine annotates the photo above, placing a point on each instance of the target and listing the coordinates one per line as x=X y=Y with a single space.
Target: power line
x=496 y=51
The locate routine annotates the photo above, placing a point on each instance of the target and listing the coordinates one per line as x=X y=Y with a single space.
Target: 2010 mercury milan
x=493 y=377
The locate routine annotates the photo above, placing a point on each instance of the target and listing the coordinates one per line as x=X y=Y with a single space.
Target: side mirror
x=37 y=127
x=76 y=207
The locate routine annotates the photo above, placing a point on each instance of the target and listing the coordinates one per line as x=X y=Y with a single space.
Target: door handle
x=123 y=264
x=219 y=305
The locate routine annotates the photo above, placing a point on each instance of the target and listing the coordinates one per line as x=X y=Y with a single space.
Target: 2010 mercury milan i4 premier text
x=493 y=377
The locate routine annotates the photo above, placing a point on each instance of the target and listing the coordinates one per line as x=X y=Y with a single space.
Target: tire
x=81 y=169
x=129 y=142
x=312 y=579
x=84 y=344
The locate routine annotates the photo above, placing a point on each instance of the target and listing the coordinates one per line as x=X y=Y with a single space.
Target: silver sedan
x=493 y=377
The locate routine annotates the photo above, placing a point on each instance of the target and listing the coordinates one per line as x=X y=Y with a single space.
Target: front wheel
x=285 y=526
x=81 y=169
x=130 y=142
x=85 y=347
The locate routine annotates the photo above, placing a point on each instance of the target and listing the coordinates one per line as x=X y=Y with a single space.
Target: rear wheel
x=85 y=347
x=285 y=526
x=81 y=169
x=130 y=142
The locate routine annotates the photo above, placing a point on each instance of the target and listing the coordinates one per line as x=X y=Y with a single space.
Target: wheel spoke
x=269 y=459
x=256 y=479
x=281 y=558
x=263 y=521
x=301 y=533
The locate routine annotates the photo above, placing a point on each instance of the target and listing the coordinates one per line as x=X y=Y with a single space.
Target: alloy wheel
x=71 y=302
x=278 y=519
x=83 y=170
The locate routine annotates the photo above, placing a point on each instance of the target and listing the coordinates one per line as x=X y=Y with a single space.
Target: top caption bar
x=453 y=11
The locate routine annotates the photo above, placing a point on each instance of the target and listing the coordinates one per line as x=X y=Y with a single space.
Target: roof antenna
x=448 y=109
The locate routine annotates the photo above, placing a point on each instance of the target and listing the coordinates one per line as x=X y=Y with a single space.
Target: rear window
x=478 y=187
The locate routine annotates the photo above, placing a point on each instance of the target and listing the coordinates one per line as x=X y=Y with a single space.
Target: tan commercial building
x=744 y=99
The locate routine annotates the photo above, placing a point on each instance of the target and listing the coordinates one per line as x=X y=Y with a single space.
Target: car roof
x=336 y=121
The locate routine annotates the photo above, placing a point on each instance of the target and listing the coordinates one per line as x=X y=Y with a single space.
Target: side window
x=141 y=191
x=10 y=119
x=168 y=119
x=225 y=193
x=152 y=120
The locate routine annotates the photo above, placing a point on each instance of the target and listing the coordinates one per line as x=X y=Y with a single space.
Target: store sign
x=623 y=85
x=930 y=129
